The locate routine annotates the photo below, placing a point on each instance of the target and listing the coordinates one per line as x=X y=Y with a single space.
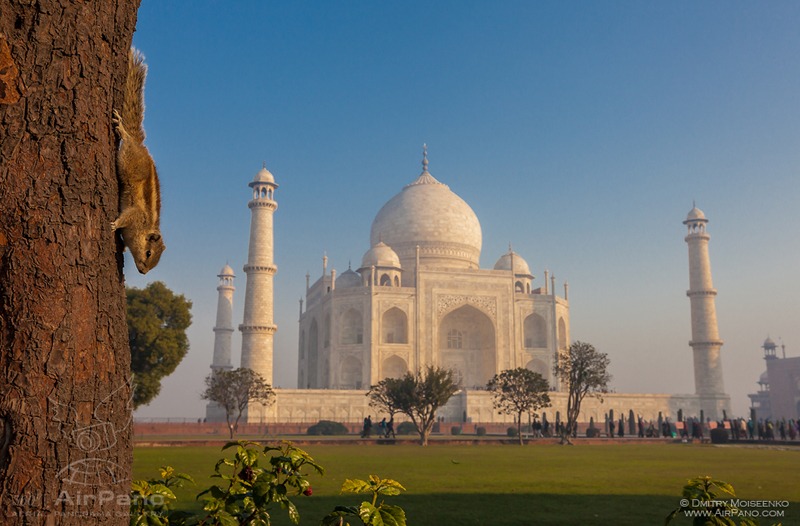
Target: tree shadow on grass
x=520 y=509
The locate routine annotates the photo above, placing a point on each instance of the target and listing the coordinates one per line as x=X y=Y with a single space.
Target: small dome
x=226 y=271
x=769 y=343
x=380 y=255
x=264 y=176
x=764 y=378
x=520 y=265
x=695 y=214
x=348 y=279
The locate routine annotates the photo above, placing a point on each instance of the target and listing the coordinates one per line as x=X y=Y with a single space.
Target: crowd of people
x=694 y=428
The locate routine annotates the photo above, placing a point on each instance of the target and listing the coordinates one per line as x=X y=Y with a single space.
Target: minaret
x=257 y=327
x=705 y=343
x=223 y=330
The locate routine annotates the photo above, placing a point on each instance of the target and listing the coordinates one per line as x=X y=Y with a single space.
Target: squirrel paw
x=116 y=120
x=113 y=226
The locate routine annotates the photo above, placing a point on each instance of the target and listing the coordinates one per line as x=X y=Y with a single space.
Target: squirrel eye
x=147 y=254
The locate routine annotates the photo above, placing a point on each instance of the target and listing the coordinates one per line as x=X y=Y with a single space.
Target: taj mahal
x=419 y=298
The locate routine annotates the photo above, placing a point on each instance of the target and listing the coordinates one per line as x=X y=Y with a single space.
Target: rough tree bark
x=65 y=437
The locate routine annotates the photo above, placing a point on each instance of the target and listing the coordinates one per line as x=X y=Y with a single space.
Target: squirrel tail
x=133 y=104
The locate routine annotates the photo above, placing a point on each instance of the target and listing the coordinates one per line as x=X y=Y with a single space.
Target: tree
x=157 y=322
x=234 y=390
x=518 y=391
x=419 y=396
x=381 y=396
x=584 y=371
x=65 y=437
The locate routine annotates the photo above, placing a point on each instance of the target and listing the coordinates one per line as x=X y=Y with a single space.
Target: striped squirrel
x=140 y=195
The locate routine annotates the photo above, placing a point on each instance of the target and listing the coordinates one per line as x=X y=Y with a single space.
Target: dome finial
x=263 y=164
x=424 y=158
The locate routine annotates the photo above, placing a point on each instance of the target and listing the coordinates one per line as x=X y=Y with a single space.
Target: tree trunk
x=519 y=428
x=65 y=413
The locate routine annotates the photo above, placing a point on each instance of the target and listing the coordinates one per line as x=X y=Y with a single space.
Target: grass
x=503 y=485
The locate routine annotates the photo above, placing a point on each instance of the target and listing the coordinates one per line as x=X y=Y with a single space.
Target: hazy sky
x=580 y=132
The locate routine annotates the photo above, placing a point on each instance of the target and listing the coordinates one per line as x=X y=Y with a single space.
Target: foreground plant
x=704 y=500
x=252 y=482
x=369 y=513
x=152 y=500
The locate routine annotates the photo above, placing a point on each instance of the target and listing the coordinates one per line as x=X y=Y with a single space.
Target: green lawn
x=503 y=485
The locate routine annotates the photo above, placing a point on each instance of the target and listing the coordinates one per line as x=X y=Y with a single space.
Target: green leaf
x=390 y=487
x=370 y=515
x=392 y=515
x=350 y=510
x=140 y=486
x=160 y=489
x=724 y=486
x=294 y=515
x=226 y=519
x=356 y=486
x=247 y=456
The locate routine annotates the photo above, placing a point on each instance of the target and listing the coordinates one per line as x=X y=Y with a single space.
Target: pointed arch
x=562 y=334
x=535 y=331
x=350 y=374
x=313 y=355
x=538 y=366
x=466 y=344
x=352 y=328
x=326 y=331
x=394 y=367
x=394 y=326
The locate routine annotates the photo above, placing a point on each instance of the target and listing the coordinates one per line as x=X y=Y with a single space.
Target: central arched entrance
x=467 y=345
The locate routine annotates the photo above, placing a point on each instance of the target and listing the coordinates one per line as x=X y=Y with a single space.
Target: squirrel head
x=146 y=250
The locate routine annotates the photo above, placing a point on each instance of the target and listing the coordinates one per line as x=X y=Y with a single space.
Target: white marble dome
x=380 y=255
x=426 y=213
x=769 y=343
x=520 y=265
x=226 y=271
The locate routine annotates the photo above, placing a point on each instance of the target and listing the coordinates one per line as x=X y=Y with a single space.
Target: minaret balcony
x=264 y=269
x=268 y=329
x=707 y=292
x=263 y=203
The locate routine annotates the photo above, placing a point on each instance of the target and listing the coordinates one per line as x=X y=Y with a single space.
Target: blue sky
x=580 y=132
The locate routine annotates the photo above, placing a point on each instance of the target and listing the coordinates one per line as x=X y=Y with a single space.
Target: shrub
x=327 y=427
x=592 y=432
x=406 y=428
x=719 y=436
x=455 y=430
x=511 y=431
x=481 y=431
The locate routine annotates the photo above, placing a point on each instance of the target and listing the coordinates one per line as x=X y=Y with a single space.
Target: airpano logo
x=92 y=486
x=101 y=434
